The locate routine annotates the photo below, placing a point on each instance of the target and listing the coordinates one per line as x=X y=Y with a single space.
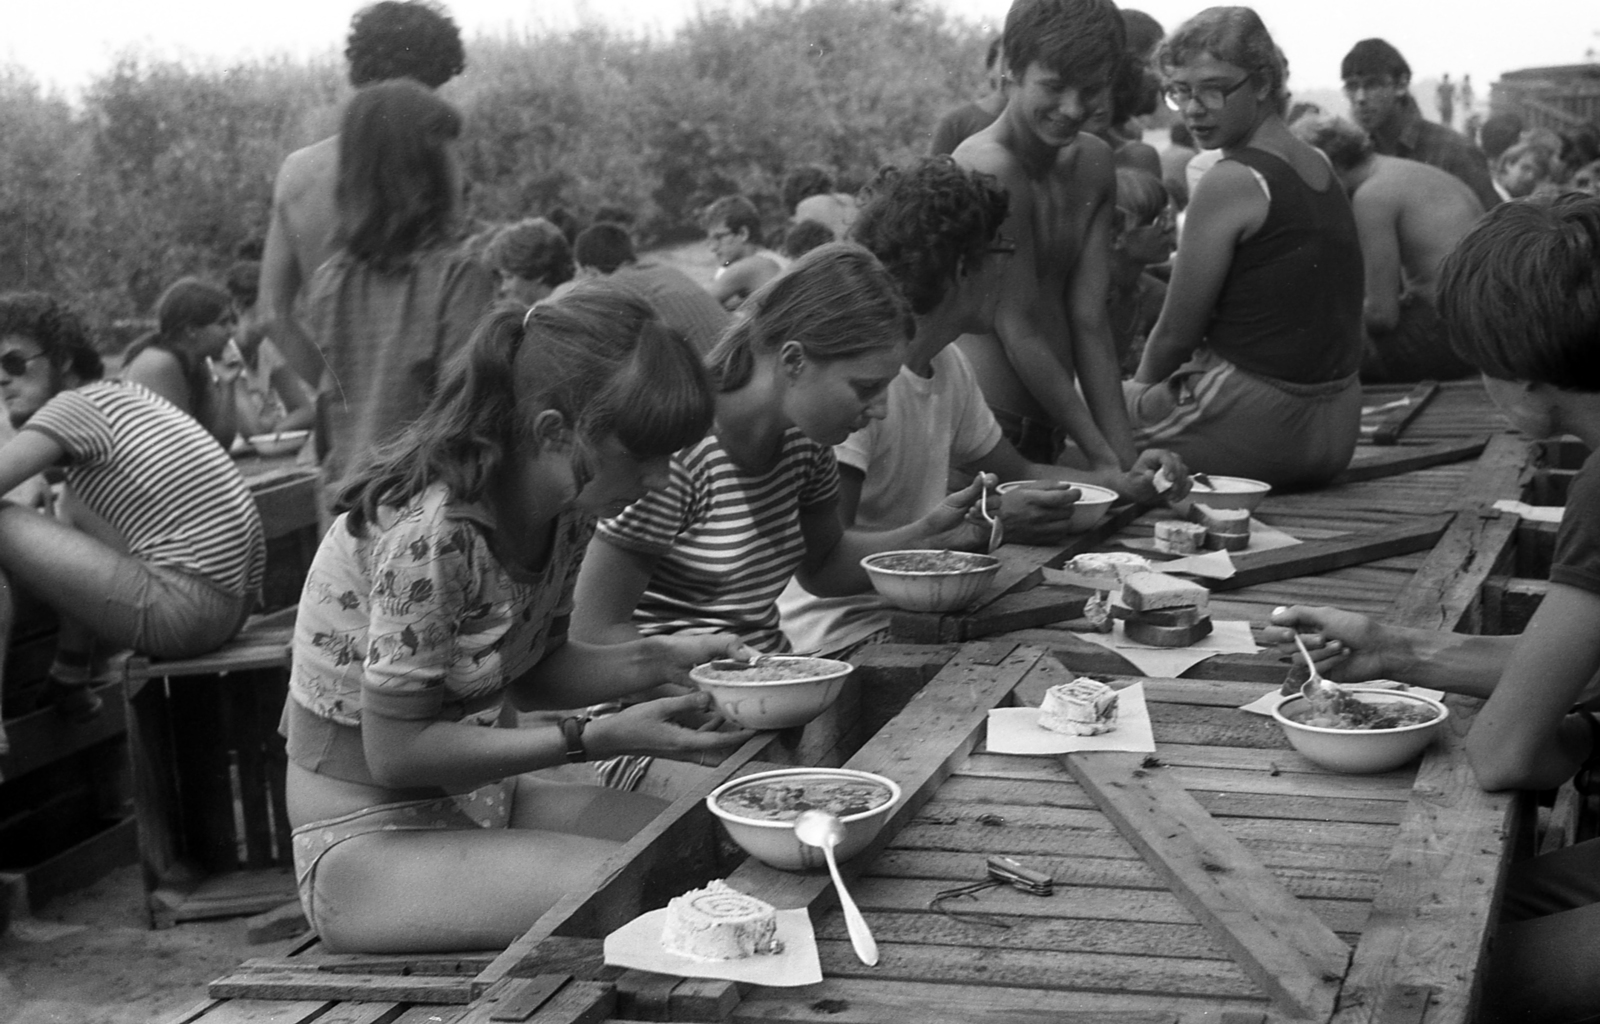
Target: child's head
x=603 y=247
x=732 y=224
x=598 y=358
x=1523 y=168
x=532 y=258
x=243 y=283
x=1237 y=36
x=193 y=322
x=44 y=348
x=1345 y=143
x=930 y=225
x=1082 y=41
x=398 y=182
x=801 y=238
x=1520 y=294
x=1144 y=225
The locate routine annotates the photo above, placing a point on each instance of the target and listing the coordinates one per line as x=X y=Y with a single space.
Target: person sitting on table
x=936 y=228
x=733 y=230
x=156 y=544
x=757 y=501
x=182 y=360
x=438 y=602
x=1252 y=369
x=1520 y=297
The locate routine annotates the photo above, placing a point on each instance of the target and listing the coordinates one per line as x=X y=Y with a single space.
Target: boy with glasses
x=1051 y=335
x=733 y=232
x=1377 y=81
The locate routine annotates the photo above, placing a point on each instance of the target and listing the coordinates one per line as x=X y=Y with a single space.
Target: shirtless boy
x=733 y=231
x=1409 y=215
x=388 y=39
x=1051 y=331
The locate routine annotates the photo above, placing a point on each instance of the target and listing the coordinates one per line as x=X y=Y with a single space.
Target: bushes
x=166 y=168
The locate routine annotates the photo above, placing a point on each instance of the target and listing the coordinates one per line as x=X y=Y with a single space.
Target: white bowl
x=930 y=590
x=773 y=842
x=1092 y=505
x=283 y=442
x=756 y=703
x=1229 y=492
x=1361 y=751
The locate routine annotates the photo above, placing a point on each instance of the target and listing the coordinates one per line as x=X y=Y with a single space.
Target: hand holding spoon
x=819 y=828
x=1316 y=689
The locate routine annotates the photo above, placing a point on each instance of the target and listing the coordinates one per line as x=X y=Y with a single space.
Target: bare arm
x=833 y=561
x=739 y=280
x=609 y=586
x=1094 y=350
x=160 y=371
x=25 y=456
x=1378 y=225
x=279 y=284
x=1227 y=206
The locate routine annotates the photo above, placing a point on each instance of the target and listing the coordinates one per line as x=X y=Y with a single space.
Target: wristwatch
x=572 y=735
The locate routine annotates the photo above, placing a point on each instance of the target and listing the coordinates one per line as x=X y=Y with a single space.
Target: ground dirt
x=91 y=958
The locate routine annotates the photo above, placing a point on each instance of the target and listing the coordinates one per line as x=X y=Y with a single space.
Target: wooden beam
x=1377 y=463
x=1387 y=430
x=1282 y=945
x=1319 y=556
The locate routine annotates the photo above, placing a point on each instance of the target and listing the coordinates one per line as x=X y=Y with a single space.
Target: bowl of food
x=759 y=811
x=775 y=692
x=283 y=442
x=1229 y=492
x=930 y=581
x=1367 y=731
x=1092 y=505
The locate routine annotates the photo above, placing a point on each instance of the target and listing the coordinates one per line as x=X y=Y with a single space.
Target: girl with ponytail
x=438 y=603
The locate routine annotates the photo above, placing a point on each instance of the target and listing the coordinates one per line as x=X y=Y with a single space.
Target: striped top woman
x=756 y=502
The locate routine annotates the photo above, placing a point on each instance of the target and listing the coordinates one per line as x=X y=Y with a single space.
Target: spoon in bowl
x=1316 y=689
x=819 y=828
x=995 y=534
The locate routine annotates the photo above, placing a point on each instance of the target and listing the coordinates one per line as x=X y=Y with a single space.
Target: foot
x=76 y=702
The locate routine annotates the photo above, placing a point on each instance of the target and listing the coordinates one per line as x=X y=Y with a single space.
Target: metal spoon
x=1316 y=689
x=819 y=828
x=995 y=535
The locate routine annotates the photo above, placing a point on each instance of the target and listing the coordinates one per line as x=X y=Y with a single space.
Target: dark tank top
x=1290 y=307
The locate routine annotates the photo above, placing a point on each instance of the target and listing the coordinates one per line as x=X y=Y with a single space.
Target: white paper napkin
x=1168 y=662
x=637 y=944
x=1262 y=538
x=1017 y=730
x=1532 y=513
x=1264 y=704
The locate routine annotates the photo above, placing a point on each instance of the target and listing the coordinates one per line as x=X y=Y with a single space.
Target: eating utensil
x=819 y=828
x=734 y=664
x=996 y=536
x=1203 y=481
x=1316 y=689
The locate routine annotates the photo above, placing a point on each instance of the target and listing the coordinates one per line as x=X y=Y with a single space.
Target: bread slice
x=1176 y=537
x=1222 y=520
x=1143 y=632
x=1154 y=591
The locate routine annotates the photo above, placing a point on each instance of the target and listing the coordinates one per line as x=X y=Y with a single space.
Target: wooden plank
x=44 y=737
x=1293 y=956
x=315 y=984
x=520 y=998
x=918 y=749
x=264 y=1011
x=1320 y=556
x=1387 y=430
x=1499 y=473
x=1451 y=581
x=1379 y=463
x=704 y=999
x=578 y=1002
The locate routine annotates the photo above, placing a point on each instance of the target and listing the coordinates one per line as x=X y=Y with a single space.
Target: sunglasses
x=15 y=364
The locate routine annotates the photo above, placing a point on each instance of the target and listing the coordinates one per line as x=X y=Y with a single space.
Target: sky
x=64 y=43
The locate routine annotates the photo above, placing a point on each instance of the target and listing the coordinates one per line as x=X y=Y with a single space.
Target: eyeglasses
x=1166 y=220
x=1367 y=83
x=1210 y=96
x=1001 y=246
x=15 y=364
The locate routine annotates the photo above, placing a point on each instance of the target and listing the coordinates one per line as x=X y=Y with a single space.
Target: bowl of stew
x=927 y=580
x=1092 y=505
x=776 y=692
x=1229 y=492
x=1388 y=729
x=759 y=811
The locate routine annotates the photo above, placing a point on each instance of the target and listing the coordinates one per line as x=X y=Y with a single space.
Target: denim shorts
x=164 y=611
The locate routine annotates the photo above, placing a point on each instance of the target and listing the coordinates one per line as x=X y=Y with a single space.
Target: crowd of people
x=559 y=473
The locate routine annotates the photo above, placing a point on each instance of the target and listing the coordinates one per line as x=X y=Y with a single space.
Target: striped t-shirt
x=153 y=472
x=727 y=540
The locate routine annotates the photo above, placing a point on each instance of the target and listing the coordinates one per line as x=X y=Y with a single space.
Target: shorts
x=1221 y=419
x=485 y=807
x=164 y=611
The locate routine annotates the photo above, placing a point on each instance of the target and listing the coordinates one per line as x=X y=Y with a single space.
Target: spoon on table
x=1316 y=689
x=995 y=534
x=819 y=828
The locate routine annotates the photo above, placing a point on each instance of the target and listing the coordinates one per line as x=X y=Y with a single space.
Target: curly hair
x=1235 y=35
x=1520 y=295
x=404 y=39
x=929 y=222
x=1345 y=143
x=532 y=249
x=57 y=330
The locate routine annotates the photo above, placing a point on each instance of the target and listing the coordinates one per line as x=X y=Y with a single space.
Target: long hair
x=837 y=301
x=187 y=304
x=1235 y=35
x=396 y=188
x=598 y=356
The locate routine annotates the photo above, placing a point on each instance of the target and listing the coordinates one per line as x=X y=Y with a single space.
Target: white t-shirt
x=933 y=423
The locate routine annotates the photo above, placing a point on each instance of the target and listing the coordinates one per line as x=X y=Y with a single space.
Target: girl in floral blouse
x=443 y=589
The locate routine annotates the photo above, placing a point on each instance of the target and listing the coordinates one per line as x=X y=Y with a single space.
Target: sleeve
x=1577 y=555
x=469 y=293
x=975 y=431
x=424 y=584
x=77 y=424
x=821 y=481
x=652 y=524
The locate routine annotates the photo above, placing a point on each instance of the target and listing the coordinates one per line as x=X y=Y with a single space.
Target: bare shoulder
x=985 y=152
x=308 y=168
